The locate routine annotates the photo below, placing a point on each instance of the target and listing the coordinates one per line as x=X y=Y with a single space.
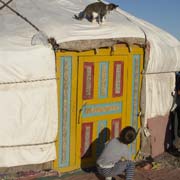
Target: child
x=115 y=158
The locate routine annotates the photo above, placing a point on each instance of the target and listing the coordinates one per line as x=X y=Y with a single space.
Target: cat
x=96 y=11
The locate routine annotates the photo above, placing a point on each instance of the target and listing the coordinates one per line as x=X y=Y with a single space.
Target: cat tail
x=80 y=16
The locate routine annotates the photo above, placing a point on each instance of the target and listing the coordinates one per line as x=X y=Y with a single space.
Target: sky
x=162 y=13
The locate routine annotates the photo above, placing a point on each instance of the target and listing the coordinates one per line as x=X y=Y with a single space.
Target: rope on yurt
x=51 y=40
x=24 y=145
x=5 y=4
x=165 y=72
x=29 y=81
x=21 y=16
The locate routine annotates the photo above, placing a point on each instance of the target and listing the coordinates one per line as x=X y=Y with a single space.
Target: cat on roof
x=96 y=12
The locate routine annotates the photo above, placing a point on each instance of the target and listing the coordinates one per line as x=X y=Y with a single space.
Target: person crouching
x=115 y=157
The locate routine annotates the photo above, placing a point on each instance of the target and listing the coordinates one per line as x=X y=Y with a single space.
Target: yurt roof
x=55 y=19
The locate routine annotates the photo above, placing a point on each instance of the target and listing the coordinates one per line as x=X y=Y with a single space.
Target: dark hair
x=127 y=135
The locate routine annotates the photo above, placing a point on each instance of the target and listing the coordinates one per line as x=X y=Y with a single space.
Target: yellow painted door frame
x=66 y=65
x=70 y=103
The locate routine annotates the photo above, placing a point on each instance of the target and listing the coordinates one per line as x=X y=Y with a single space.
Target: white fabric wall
x=28 y=111
x=158 y=94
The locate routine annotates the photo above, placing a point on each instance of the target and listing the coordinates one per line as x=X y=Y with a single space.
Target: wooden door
x=102 y=83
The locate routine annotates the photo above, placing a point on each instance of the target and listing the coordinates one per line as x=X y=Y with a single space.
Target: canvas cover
x=28 y=106
x=29 y=109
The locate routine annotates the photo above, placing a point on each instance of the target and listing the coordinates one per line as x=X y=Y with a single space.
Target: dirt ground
x=165 y=167
x=162 y=174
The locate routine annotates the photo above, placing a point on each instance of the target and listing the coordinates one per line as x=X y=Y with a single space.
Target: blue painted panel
x=102 y=136
x=101 y=109
x=66 y=75
x=106 y=64
x=135 y=96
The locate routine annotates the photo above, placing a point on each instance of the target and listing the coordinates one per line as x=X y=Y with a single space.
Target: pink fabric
x=160 y=134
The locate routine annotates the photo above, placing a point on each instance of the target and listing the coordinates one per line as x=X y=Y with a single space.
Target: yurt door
x=101 y=103
x=98 y=94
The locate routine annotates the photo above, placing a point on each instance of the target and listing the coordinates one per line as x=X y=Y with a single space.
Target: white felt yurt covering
x=28 y=102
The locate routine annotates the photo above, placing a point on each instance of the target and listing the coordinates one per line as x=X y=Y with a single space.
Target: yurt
x=68 y=86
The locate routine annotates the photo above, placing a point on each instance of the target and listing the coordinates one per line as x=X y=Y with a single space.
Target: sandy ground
x=162 y=174
x=167 y=168
x=164 y=167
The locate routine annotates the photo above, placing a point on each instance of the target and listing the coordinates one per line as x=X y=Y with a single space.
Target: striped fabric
x=119 y=168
